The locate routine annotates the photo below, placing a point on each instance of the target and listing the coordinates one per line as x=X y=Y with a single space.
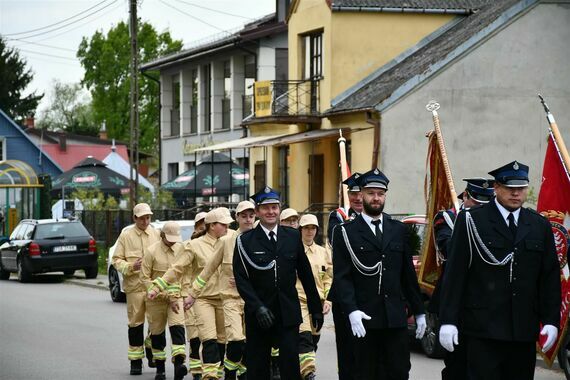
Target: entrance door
x=316 y=178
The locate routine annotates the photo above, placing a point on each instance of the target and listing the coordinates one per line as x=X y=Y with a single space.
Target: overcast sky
x=48 y=32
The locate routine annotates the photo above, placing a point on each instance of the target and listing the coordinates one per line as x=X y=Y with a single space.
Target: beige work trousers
x=136 y=302
x=234 y=319
x=209 y=313
x=159 y=313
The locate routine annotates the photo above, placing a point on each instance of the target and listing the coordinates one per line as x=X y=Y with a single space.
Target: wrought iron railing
x=293 y=98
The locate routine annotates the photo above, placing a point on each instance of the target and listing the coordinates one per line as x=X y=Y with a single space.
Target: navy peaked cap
x=352 y=183
x=265 y=196
x=373 y=178
x=513 y=174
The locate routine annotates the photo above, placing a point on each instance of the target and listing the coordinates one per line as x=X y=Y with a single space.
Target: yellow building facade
x=330 y=51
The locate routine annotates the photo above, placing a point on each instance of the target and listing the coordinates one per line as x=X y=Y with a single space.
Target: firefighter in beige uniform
x=208 y=307
x=321 y=265
x=231 y=300
x=195 y=364
x=167 y=306
x=127 y=259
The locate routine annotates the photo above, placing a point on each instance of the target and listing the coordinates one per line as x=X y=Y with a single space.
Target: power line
x=38 y=44
x=73 y=22
x=43 y=59
x=57 y=23
x=48 y=55
x=193 y=17
x=213 y=10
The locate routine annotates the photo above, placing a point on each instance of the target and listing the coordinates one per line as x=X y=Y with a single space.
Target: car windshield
x=417 y=232
x=60 y=230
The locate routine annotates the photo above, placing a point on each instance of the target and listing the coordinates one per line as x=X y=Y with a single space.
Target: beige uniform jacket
x=321 y=266
x=157 y=260
x=131 y=246
x=194 y=258
x=223 y=257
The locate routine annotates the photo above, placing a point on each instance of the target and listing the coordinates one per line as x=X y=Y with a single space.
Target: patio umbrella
x=215 y=175
x=91 y=174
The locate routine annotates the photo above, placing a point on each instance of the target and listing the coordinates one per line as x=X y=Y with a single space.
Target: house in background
x=334 y=46
x=207 y=90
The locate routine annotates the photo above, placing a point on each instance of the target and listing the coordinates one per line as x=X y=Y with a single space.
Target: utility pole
x=134 y=125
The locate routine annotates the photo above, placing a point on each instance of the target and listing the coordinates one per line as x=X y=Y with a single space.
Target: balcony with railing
x=292 y=101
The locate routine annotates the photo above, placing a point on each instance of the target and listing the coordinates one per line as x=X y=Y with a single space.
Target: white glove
x=448 y=336
x=420 y=325
x=551 y=333
x=356 y=318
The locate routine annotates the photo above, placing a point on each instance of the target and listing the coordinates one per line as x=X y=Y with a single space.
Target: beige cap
x=219 y=215
x=308 y=219
x=141 y=209
x=287 y=213
x=172 y=232
x=199 y=216
x=244 y=205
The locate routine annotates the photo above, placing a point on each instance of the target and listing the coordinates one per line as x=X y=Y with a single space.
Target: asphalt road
x=51 y=329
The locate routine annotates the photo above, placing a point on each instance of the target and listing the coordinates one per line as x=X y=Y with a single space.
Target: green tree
x=70 y=110
x=105 y=59
x=14 y=79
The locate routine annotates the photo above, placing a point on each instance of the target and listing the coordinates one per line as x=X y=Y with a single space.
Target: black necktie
x=272 y=239
x=512 y=225
x=377 y=230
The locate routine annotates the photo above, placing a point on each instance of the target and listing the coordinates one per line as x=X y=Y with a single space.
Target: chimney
x=30 y=122
x=62 y=142
x=103 y=131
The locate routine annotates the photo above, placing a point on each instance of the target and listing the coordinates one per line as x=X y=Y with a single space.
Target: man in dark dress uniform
x=343 y=334
x=502 y=282
x=266 y=263
x=374 y=278
x=478 y=191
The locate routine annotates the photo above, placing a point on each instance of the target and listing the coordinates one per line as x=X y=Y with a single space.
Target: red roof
x=76 y=153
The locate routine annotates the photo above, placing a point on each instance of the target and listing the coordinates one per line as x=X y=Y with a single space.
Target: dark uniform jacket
x=484 y=298
x=275 y=288
x=336 y=219
x=355 y=291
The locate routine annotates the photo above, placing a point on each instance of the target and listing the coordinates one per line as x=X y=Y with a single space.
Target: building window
x=194 y=104
x=313 y=56
x=172 y=170
x=175 y=111
x=249 y=80
x=227 y=95
x=207 y=98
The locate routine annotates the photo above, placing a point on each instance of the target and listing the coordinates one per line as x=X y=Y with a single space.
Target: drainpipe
x=159 y=127
x=374 y=119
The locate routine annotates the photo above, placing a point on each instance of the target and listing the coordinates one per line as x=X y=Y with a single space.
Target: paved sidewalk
x=101 y=282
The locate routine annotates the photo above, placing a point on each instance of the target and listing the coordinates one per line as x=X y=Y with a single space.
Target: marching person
x=373 y=278
x=289 y=217
x=127 y=259
x=164 y=308
x=208 y=306
x=199 y=225
x=343 y=333
x=231 y=300
x=266 y=263
x=502 y=282
x=321 y=265
x=478 y=191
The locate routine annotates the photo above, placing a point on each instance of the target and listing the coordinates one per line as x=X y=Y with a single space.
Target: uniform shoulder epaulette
x=476 y=208
x=536 y=213
x=247 y=232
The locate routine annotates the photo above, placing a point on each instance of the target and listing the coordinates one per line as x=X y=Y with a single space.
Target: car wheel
x=115 y=286
x=4 y=275
x=68 y=272
x=430 y=341
x=23 y=274
x=564 y=355
x=91 y=272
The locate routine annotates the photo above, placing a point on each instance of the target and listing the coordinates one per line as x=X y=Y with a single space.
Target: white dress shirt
x=368 y=219
x=267 y=231
x=505 y=213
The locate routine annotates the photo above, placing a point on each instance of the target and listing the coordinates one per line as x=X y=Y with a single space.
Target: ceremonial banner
x=438 y=195
x=554 y=203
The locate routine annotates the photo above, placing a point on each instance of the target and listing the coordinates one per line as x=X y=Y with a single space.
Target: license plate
x=65 y=248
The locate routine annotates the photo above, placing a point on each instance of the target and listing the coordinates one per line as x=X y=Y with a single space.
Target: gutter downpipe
x=375 y=121
x=403 y=10
x=159 y=128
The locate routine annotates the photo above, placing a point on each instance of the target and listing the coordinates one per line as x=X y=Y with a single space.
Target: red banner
x=554 y=203
x=439 y=197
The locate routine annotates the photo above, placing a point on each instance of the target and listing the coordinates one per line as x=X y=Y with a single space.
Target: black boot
x=243 y=376
x=310 y=376
x=160 y=370
x=230 y=375
x=180 y=369
x=136 y=367
x=149 y=357
x=197 y=377
x=275 y=372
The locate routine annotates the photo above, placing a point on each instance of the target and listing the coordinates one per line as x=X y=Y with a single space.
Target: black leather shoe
x=180 y=371
x=136 y=367
x=243 y=376
x=230 y=375
x=160 y=376
x=275 y=371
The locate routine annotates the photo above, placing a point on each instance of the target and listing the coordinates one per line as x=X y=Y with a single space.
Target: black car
x=48 y=245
